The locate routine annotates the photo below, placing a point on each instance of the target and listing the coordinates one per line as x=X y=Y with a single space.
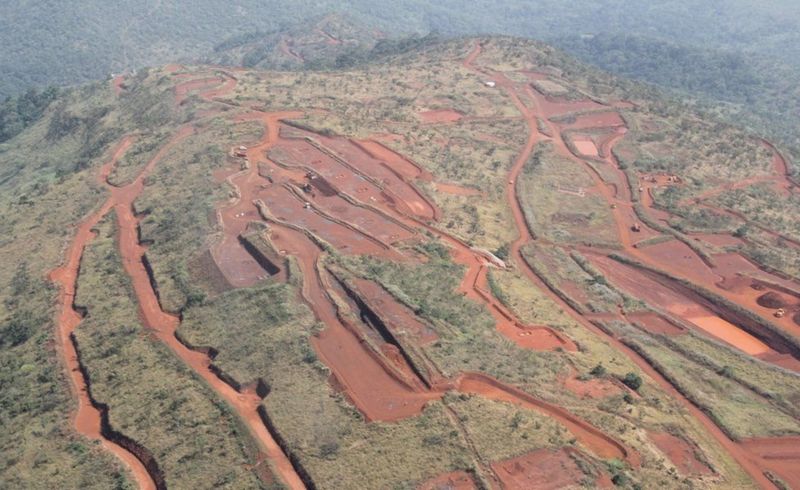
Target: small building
x=489 y=83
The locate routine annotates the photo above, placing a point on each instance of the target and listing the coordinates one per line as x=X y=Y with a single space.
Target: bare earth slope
x=476 y=265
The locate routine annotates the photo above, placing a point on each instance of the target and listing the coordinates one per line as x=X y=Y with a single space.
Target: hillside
x=471 y=263
x=313 y=44
x=742 y=86
x=58 y=43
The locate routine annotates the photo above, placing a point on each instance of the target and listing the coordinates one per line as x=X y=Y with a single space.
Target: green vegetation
x=739 y=85
x=17 y=113
x=730 y=404
x=179 y=199
x=152 y=396
x=465 y=328
x=556 y=197
x=632 y=381
x=468 y=342
x=779 y=386
x=762 y=204
x=265 y=333
x=47 y=182
x=578 y=283
x=502 y=431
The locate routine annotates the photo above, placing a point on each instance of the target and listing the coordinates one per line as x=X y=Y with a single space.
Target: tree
x=632 y=381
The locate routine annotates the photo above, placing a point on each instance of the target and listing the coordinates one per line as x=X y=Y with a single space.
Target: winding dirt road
x=121 y=200
x=88 y=418
x=749 y=461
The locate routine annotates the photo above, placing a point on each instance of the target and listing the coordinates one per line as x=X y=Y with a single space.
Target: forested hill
x=756 y=91
x=62 y=42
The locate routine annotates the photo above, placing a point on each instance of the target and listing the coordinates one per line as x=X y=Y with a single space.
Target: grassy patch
x=549 y=190
x=152 y=396
x=264 y=333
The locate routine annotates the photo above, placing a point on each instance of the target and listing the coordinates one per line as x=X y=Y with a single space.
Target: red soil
x=718 y=239
x=741 y=275
x=456 y=189
x=376 y=380
x=655 y=323
x=173 y=68
x=391 y=181
x=395 y=313
x=680 y=453
x=591 y=388
x=440 y=116
x=544 y=469
x=372 y=220
x=118 y=82
x=529 y=337
x=544 y=110
x=548 y=107
x=371 y=386
x=88 y=417
x=162 y=324
x=457 y=480
x=375 y=384
x=779 y=455
x=353 y=171
x=596 y=441
x=663 y=255
x=328 y=37
x=399 y=164
x=182 y=90
x=237 y=265
x=287 y=207
x=595 y=120
x=386 y=137
x=633 y=282
x=585 y=146
x=682 y=260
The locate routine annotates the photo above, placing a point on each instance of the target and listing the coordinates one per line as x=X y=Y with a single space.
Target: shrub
x=632 y=381
x=598 y=370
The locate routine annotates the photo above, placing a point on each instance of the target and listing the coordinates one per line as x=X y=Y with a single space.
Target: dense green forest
x=753 y=90
x=48 y=42
x=17 y=113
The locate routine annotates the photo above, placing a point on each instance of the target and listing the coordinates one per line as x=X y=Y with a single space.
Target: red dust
x=680 y=453
x=457 y=480
x=544 y=469
x=456 y=190
x=440 y=116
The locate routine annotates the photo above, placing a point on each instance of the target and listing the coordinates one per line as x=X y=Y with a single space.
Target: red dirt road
x=595 y=440
x=162 y=324
x=373 y=382
x=88 y=417
x=745 y=458
x=780 y=455
x=457 y=480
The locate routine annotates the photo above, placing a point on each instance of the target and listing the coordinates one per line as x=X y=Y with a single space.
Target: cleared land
x=354 y=288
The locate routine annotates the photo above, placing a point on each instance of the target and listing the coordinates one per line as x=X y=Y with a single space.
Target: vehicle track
x=747 y=460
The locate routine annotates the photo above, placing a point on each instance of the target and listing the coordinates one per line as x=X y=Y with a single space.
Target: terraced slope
x=454 y=268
